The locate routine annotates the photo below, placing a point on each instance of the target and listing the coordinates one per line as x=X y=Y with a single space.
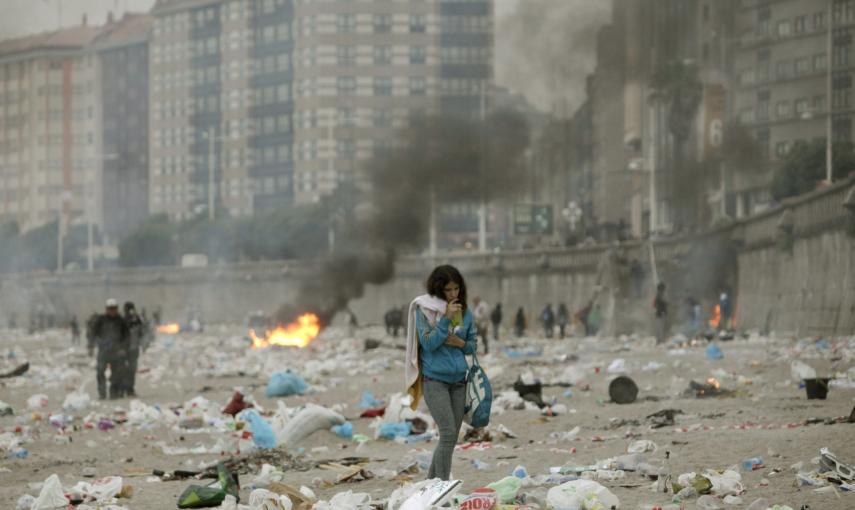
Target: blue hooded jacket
x=440 y=361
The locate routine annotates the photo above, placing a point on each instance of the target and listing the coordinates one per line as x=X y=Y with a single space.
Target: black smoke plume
x=439 y=159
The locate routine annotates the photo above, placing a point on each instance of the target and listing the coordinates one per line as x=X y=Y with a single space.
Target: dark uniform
x=111 y=335
x=136 y=329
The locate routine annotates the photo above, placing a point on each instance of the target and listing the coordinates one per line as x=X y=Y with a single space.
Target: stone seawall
x=790 y=270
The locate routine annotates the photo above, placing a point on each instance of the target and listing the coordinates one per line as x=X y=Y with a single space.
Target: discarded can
x=752 y=464
x=480 y=499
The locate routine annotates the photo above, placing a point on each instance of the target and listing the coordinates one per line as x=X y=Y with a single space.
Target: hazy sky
x=544 y=48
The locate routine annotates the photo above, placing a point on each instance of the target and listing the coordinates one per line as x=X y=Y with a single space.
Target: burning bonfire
x=170 y=328
x=299 y=333
x=711 y=388
x=715 y=319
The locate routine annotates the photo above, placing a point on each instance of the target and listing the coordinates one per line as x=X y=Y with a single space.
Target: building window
x=782 y=110
x=746 y=116
x=346 y=85
x=785 y=28
x=382 y=55
x=783 y=69
x=842 y=49
x=802 y=106
x=747 y=77
x=346 y=23
x=382 y=118
x=782 y=149
x=346 y=55
x=819 y=62
x=819 y=21
x=418 y=24
x=818 y=103
x=763 y=106
x=842 y=90
x=417 y=86
x=346 y=117
x=800 y=24
x=383 y=86
x=802 y=66
x=417 y=55
x=382 y=23
x=763 y=142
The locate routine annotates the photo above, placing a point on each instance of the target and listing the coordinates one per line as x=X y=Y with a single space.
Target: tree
x=804 y=167
x=149 y=245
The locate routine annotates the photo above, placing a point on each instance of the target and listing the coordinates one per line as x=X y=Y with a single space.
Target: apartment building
x=287 y=99
x=49 y=143
x=122 y=51
x=782 y=66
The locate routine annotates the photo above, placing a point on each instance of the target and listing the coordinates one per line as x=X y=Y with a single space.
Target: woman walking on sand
x=440 y=332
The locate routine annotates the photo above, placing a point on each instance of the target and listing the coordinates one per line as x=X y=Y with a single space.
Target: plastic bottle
x=686 y=493
x=752 y=464
x=759 y=504
x=708 y=502
x=520 y=472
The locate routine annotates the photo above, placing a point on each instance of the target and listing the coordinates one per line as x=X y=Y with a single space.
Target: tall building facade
x=657 y=95
x=122 y=52
x=782 y=69
x=279 y=101
x=49 y=143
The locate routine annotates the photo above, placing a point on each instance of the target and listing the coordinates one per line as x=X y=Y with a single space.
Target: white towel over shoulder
x=433 y=308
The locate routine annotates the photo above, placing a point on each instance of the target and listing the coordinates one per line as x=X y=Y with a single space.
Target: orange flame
x=170 y=328
x=716 y=316
x=299 y=333
x=712 y=381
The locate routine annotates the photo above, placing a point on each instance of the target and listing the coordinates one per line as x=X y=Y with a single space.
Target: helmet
x=112 y=303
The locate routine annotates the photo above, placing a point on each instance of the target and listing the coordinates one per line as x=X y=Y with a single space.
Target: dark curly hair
x=440 y=277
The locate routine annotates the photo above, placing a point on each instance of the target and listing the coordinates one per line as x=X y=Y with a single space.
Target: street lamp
x=209 y=135
x=90 y=184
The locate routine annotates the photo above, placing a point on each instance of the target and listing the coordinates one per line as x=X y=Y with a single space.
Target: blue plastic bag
x=369 y=402
x=393 y=430
x=284 y=384
x=345 y=430
x=714 y=353
x=262 y=432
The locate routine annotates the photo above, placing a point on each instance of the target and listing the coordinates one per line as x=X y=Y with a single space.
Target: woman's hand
x=455 y=341
x=453 y=308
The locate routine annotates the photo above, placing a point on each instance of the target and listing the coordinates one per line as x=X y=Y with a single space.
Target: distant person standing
x=136 y=329
x=660 y=308
x=547 y=318
x=583 y=315
x=481 y=314
x=726 y=310
x=74 y=326
x=111 y=335
x=563 y=319
x=496 y=319
x=519 y=322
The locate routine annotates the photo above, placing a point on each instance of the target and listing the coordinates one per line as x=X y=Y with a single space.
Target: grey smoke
x=545 y=48
x=448 y=158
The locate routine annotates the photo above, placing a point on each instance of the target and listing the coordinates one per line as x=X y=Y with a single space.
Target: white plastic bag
x=345 y=501
x=51 y=496
x=262 y=499
x=801 y=371
x=581 y=494
x=141 y=413
x=642 y=446
x=423 y=495
x=618 y=366
x=37 y=401
x=308 y=421
x=101 y=489
x=76 y=401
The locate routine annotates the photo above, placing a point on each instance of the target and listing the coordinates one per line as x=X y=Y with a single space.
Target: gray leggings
x=445 y=402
